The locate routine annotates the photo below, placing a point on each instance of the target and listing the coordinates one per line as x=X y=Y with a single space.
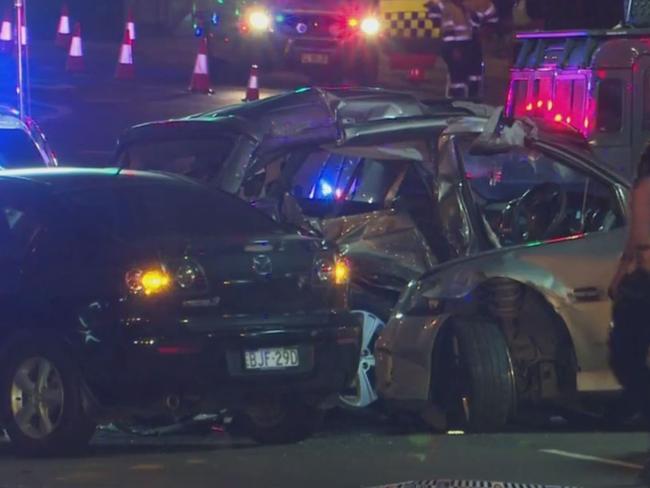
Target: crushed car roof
x=308 y=115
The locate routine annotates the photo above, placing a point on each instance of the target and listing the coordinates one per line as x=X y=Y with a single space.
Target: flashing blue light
x=326 y=189
x=279 y=18
x=198 y=31
x=215 y=18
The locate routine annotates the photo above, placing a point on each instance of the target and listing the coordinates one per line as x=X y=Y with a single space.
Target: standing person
x=459 y=22
x=630 y=290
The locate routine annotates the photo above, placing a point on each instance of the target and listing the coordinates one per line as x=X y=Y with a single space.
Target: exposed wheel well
x=541 y=349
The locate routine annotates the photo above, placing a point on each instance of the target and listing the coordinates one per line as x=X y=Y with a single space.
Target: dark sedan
x=127 y=294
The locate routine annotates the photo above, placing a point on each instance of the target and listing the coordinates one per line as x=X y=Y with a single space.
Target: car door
x=367 y=206
x=572 y=263
x=20 y=224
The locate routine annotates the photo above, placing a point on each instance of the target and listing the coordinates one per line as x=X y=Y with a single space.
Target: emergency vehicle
x=597 y=82
x=338 y=39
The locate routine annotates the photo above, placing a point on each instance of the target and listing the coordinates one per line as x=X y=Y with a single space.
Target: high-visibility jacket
x=457 y=19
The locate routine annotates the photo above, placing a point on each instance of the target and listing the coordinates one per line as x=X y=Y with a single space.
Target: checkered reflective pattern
x=465 y=484
x=413 y=25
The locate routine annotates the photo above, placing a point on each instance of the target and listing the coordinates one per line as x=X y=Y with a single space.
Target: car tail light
x=154 y=280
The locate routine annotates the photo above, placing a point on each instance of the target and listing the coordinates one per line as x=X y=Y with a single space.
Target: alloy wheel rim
x=364 y=383
x=37 y=396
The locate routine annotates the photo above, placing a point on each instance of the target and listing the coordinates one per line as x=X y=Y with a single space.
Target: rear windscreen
x=199 y=158
x=143 y=212
x=17 y=150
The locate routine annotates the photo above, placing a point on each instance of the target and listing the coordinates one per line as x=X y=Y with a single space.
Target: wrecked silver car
x=519 y=318
x=356 y=167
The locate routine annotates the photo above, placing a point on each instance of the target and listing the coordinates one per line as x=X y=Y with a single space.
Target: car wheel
x=41 y=406
x=473 y=376
x=279 y=421
x=373 y=314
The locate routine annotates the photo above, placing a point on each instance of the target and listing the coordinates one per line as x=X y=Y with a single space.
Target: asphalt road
x=348 y=452
x=82 y=116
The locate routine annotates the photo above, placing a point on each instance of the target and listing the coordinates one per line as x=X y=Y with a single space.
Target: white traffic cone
x=75 y=63
x=200 y=82
x=125 y=69
x=130 y=26
x=253 y=87
x=63 y=32
x=6 y=33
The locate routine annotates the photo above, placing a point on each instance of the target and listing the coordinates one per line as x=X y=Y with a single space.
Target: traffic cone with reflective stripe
x=125 y=69
x=75 y=63
x=6 y=33
x=63 y=32
x=253 y=88
x=200 y=82
x=130 y=26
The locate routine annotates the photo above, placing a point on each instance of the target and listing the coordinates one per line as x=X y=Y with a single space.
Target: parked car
x=354 y=166
x=129 y=294
x=519 y=318
x=22 y=143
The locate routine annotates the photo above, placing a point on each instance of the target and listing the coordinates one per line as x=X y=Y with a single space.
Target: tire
x=473 y=377
x=280 y=421
x=58 y=424
x=374 y=312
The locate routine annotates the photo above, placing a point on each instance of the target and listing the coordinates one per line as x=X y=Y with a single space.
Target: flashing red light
x=558 y=118
x=539 y=103
x=568 y=120
x=529 y=107
x=586 y=122
x=549 y=105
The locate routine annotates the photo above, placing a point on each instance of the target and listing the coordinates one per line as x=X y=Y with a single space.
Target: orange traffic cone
x=63 y=33
x=130 y=26
x=125 y=69
x=75 y=63
x=253 y=88
x=200 y=82
x=6 y=33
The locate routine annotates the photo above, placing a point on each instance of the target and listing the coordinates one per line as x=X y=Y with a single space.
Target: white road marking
x=595 y=459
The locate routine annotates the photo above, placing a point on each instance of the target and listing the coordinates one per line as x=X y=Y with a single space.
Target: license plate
x=314 y=58
x=272 y=358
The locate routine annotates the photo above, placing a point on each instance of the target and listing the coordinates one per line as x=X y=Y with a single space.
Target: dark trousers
x=630 y=339
x=464 y=61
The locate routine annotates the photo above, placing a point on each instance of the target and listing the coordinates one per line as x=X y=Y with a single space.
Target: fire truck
x=596 y=82
x=338 y=40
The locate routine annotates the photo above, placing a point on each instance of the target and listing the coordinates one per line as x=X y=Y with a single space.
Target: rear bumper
x=208 y=365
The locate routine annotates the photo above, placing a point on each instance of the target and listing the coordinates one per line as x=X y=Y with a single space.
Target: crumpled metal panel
x=384 y=246
x=560 y=272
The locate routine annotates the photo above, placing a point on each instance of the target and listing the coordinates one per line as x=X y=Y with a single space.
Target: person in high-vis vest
x=459 y=22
